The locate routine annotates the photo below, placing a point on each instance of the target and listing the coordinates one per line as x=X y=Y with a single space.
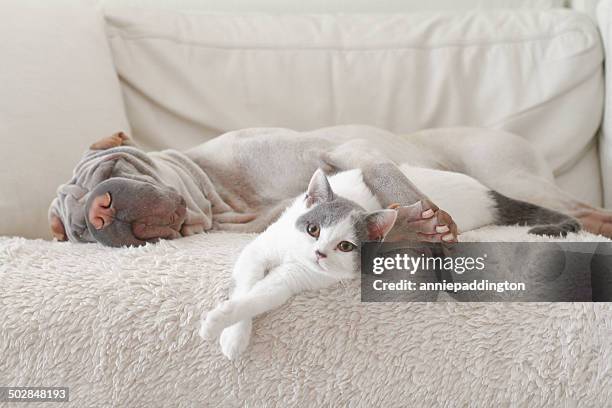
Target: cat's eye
x=346 y=246
x=313 y=230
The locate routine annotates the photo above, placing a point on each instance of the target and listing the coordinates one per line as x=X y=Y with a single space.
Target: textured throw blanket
x=119 y=327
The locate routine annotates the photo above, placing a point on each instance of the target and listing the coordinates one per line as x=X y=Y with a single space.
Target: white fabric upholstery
x=119 y=326
x=331 y=6
x=188 y=77
x=59 y=93
x=604 y=17
x=588 y=7
x=583 y=178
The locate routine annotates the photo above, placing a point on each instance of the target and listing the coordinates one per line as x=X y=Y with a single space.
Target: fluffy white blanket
x=119 y=327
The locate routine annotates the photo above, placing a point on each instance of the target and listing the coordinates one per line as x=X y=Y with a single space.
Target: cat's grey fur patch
x=327 y=213
x=361 y=228
x=545 y=221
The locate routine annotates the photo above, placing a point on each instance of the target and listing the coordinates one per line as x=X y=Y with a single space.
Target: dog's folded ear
x=115 y=140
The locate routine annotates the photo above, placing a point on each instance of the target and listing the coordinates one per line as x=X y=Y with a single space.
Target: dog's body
x=242 y=180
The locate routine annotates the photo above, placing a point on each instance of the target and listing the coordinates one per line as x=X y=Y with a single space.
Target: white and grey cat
x=316 y=242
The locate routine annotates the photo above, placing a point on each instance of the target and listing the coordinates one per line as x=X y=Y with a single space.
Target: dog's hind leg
x=508 y=164
x=529 y=178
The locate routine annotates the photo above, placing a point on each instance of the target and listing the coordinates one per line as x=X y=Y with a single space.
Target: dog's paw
x=423 y=221
x=216 y=320
x=115 y=140
x=235 y=339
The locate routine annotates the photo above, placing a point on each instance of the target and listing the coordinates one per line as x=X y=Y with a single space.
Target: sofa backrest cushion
x=188 y=77
x=331 y=6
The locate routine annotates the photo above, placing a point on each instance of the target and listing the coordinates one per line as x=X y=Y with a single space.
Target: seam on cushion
x=606 y=46
x=168 y=108
x=351 y=48
x=503 y=122
x=573 y=161
x=570 y=162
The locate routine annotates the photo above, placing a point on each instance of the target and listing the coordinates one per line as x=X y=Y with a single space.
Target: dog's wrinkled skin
x=242 y=180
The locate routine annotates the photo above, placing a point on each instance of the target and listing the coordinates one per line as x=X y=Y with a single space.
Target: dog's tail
x=544 y=221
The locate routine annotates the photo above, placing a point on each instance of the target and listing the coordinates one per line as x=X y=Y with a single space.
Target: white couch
x=184 y=78
x=119 y=325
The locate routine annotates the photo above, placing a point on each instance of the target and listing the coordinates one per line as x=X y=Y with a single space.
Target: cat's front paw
x=216 y=320
x=235 y=339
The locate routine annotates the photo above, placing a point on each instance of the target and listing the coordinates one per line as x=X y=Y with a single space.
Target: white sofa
x=187 y=77
x=119 y=325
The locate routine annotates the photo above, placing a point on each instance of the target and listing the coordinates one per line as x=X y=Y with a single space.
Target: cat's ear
x=379 y=223
x=319 y=190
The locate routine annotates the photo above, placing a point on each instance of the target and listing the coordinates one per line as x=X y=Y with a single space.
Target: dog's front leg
x=418 y=217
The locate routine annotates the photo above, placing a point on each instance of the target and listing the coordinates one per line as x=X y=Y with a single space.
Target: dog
x=242 y=180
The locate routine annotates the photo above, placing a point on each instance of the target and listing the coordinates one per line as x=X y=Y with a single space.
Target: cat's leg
x=467 y=199
x=250 y=267
x=543 y=220
x=269 y=293
x=235 y=339
x=535 y=189
x=474 y=205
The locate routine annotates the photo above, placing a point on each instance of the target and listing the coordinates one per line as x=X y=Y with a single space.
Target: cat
x=316 y=241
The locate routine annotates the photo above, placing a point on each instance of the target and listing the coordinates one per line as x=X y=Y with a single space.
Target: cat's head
x=334 y=228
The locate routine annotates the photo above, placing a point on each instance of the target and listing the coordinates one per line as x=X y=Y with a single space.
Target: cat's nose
x=320 y=254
